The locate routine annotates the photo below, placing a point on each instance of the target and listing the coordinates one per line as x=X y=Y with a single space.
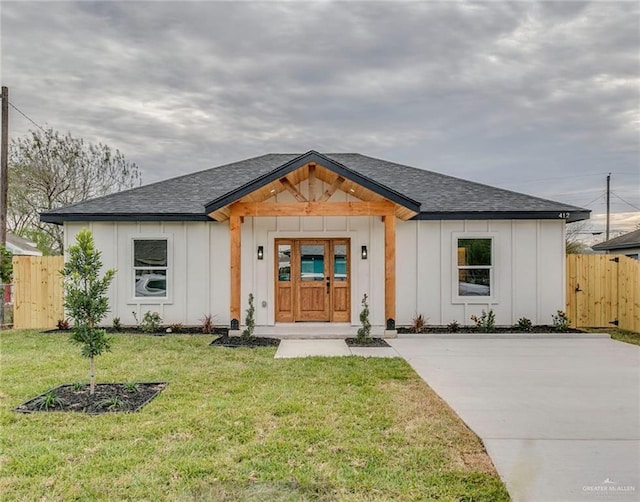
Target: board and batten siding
x=528 y=266
x=198 y=272
x=528 y=270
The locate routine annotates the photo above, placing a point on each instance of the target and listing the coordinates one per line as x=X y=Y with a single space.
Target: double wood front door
x=313 y=278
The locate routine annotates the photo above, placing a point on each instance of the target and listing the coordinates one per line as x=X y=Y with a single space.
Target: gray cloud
x=503 y=93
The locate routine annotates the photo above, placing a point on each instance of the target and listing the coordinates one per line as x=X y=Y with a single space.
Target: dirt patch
x=245 y=341
x=108 y=397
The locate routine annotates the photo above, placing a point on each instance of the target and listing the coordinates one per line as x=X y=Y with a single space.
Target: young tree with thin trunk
x=86 y=300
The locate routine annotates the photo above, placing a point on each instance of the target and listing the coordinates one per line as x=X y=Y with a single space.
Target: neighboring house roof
x=626 y=241
x=432 y=195
x=19 y=246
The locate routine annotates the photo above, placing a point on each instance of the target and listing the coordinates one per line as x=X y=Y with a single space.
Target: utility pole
x=4 y=178
x=4 y=156
x=608 y=205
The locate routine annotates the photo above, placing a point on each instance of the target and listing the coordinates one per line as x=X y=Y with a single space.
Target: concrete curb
x=498 y=336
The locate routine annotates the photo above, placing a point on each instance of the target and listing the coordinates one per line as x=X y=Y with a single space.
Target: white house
x=308 y=235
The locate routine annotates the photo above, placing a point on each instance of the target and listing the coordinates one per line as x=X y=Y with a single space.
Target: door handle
x=328 y=286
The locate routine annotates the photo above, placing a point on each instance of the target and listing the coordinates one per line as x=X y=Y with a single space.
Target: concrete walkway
x=560 y=417
x=289 y=348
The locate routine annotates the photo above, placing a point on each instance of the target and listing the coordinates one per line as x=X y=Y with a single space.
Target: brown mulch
x=108 y=397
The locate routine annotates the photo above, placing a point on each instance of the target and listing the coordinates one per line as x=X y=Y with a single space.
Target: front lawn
x=233 y=424
x=622 y=335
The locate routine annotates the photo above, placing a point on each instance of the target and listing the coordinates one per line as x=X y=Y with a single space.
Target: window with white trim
x=150 y=266
x=475 y=267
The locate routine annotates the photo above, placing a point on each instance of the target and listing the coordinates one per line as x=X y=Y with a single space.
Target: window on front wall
x=150 y=268
x=475 y=267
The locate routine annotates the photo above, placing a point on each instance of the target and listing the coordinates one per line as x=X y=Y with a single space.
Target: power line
x=26 y=116
x=589 y=203
x=626 y=202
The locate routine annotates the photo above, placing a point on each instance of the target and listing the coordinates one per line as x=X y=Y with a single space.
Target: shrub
x=112 y=403
x=130 y=387
x=560 y=321
x=208 y=324
x=177 y=327
x=151 y=322
x=418 y=323
x=48 y=401
x=116 y=324
x=486 y=322
x=524 y=324
x=453 y=326
x=249 y=320
x=364 y=332
x=86 y=299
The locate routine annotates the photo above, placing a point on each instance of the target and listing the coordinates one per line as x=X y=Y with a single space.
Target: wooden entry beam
x=235 y=259
x=390 y=271
x=376 y=208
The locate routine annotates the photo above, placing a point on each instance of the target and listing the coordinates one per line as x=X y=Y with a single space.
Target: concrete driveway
x=559 y=417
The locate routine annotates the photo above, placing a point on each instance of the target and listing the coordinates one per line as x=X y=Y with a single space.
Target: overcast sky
x=541 y=98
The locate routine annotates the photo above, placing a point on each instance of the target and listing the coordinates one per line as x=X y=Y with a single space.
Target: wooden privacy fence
x=603 y=291
x=38 y=291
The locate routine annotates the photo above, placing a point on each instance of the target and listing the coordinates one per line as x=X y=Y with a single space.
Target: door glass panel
x=284 y=262
x=340 y=262
x=311 y=262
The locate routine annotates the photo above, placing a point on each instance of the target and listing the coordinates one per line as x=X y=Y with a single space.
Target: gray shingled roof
x=630 y=240
x=185 y=197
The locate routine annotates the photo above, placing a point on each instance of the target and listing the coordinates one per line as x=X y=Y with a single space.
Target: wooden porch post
x=390 y=271
x=235 y=238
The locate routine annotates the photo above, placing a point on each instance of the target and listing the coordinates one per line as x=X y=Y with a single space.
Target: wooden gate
x=603 y=291
x=38 y=291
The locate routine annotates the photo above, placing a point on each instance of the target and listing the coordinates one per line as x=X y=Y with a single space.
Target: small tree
x=6 y=275
x=249 y=320
x=86 y=300
x=364 y=332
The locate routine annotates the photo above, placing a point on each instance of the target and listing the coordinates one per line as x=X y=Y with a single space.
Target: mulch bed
x=108 y=397
x=497 y=329
x=185 y=330
x=367 y=342
x=241 y=341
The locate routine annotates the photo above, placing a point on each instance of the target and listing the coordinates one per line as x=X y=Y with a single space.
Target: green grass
x=234 y=424
x=622 y=335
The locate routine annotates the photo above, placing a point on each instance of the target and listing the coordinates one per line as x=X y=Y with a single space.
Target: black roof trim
x=58 y=219
x=312 y=156
x=505 y=215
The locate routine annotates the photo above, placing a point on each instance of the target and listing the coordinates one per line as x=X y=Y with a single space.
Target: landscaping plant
x=486 y=322
x=453 y=326
x=364 y=332
x=86 y=300
x=249 y=320
x=208 y=324
x=150 y=322
x=560 y=321
x=418 y=323
x=117 y=326
x=524 y=324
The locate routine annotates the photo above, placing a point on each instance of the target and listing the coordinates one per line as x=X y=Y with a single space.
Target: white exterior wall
x=528 y=262
x=528 y=270
x=198 y=272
